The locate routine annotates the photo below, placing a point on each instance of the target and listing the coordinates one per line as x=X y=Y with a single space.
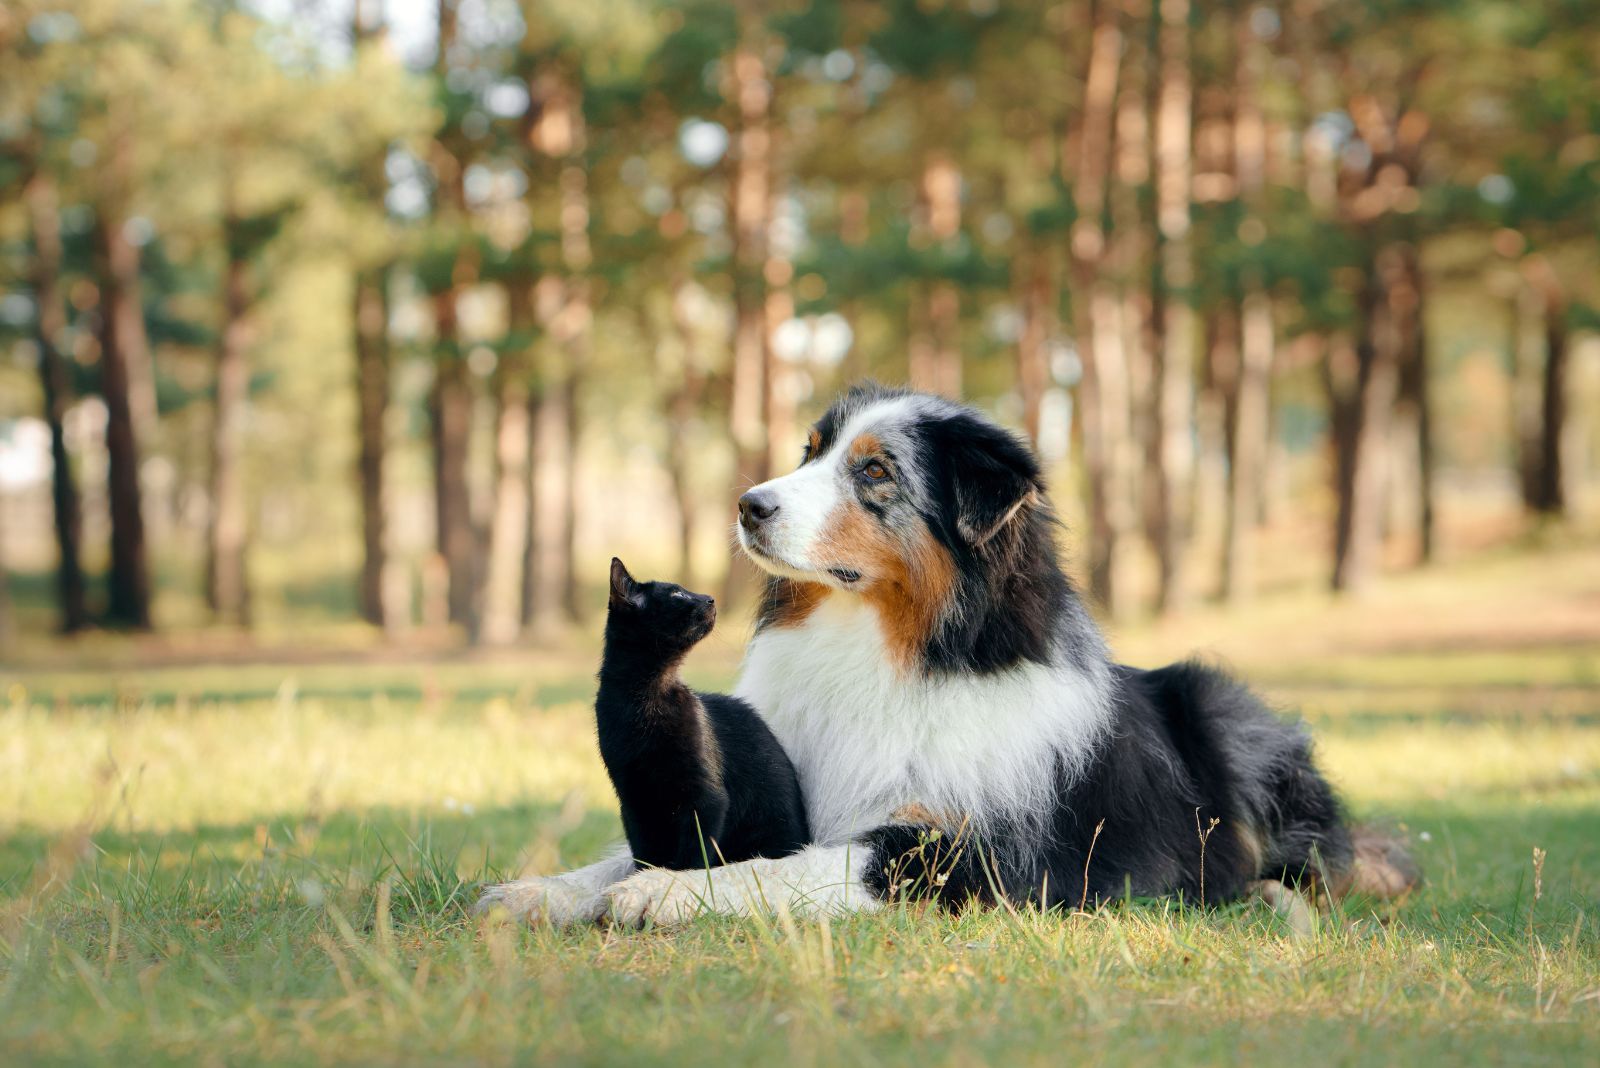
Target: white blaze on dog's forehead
x=878 y=415
x=890 y=421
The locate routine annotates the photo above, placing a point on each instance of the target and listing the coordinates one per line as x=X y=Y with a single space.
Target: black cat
x=700 y=777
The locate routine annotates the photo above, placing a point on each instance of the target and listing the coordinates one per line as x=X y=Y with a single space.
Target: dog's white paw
x=658 y=895
x=543 y=900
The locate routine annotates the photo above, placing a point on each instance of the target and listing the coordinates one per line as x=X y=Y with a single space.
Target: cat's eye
x=875 y=471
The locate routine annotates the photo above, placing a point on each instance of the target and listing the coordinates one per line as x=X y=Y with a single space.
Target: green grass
x=270 y=863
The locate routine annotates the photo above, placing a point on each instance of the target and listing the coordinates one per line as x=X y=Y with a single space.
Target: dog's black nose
x=756 y=507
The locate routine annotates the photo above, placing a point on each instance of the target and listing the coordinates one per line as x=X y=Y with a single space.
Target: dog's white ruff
x=868 y=739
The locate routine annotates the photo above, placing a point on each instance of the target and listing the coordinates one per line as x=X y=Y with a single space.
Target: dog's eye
x=875 y=471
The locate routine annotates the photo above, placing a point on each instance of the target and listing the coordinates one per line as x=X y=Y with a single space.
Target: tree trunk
x=1225 y=372
x=571 y=605
x=502 y=615
x=682 y=407
x=117 y=181
x=1546 y=482
x=532 y=590
x=938 y=366
x=934 y=346
x=227 y=588
x=1127 y=378
x=577 y=319
x=553 y=427
x=371 y=319
x=1248 y=443
x=1363 y=384
x=1414 y=397
x=854 y=229
x=553 y=424
x=122 y=346
x=370 y=341
x=1108 y=421
x=751 y=191
x=922 y=357
x=450 y=414
x=45 y=223
x=1252 y=408
x=1174 y=429
x=564 y=307
x=779 y=377
x=1096 y=311
x=450 y=402
x=1527 y=363
x=944 y=314
x=1033 y=357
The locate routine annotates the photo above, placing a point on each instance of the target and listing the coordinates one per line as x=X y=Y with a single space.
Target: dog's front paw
x=658 y=895
x=543 y=900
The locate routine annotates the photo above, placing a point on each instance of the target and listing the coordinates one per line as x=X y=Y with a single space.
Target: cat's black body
x=700 y=777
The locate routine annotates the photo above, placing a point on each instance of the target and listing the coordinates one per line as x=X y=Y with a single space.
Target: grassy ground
x=270 y=862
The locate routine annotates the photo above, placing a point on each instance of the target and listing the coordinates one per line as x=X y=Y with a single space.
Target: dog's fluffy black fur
x=700 y=777
x=1198 y=791
x=1193 y=787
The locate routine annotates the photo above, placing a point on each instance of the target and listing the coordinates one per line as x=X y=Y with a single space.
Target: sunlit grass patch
x=1467 y=761
x=182 y=766
x=291 y=959
x=278 y=866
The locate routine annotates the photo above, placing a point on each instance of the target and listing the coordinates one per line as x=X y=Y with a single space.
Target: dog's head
x=908 y=500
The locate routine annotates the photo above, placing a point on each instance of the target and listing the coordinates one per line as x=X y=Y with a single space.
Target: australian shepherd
x=960 y=730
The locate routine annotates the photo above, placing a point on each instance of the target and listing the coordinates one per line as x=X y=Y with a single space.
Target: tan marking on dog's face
x=794 y=601
x=813 y=444
x=864 y=447
x=908 y=583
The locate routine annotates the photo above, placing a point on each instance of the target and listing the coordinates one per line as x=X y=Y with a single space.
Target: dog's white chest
x=867 y=739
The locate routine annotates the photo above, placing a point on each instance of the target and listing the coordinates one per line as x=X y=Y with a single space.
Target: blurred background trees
x=416 y=313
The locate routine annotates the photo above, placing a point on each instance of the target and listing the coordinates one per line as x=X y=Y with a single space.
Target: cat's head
x=672 y=614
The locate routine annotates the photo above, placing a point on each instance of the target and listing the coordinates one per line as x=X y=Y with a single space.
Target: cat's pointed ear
x=623 y=588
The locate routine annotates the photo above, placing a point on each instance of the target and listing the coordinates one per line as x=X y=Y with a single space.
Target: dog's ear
x=994 y=476
x=623 y=589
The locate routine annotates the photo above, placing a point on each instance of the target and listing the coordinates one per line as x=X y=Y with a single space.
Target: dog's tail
x=1382 y=867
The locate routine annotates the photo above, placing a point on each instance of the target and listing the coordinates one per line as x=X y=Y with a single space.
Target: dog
x=960 y=729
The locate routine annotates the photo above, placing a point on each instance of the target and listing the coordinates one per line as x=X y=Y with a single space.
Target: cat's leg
x=577 y=896
x=817 y=879
x=700 y=832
